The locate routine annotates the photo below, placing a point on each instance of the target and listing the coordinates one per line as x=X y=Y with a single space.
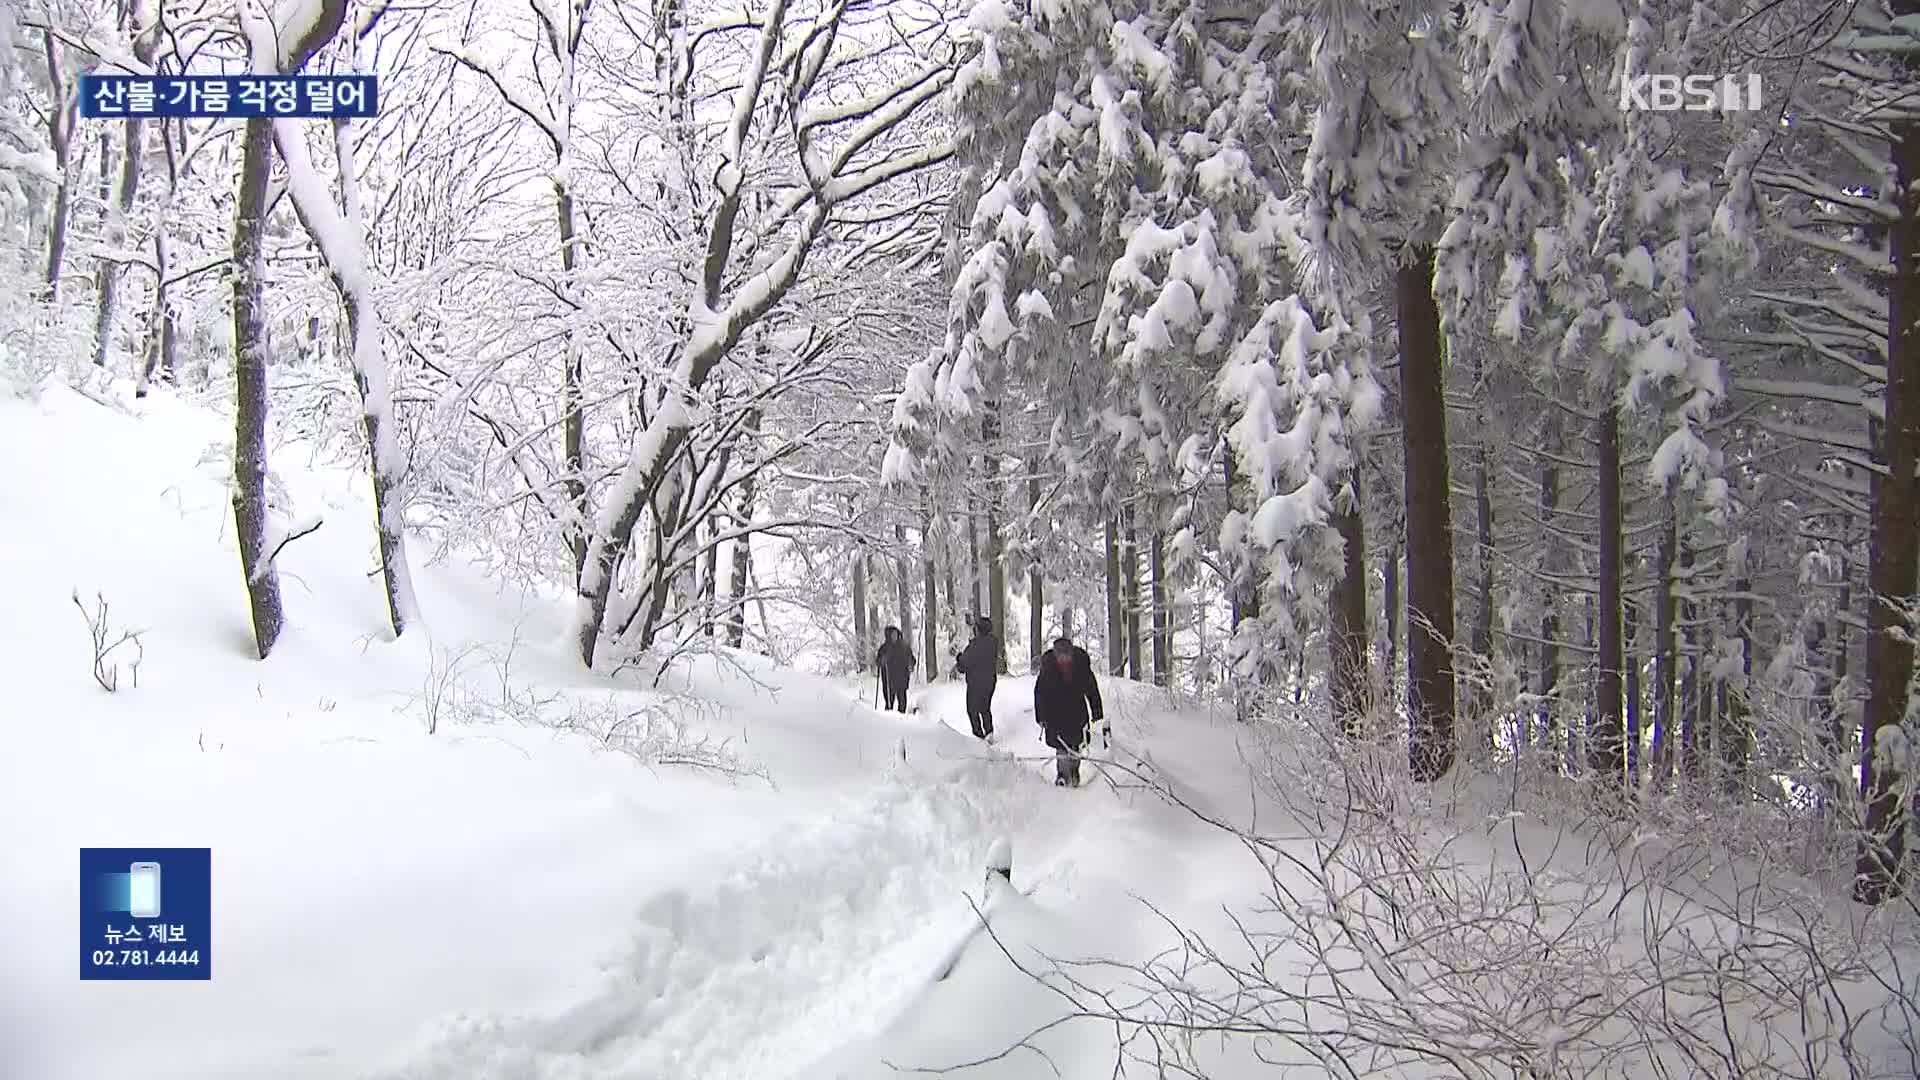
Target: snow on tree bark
x=250 y=386
x=275 y=48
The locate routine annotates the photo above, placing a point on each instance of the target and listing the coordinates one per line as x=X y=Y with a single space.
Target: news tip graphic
x=146 y=913
x=346 y=97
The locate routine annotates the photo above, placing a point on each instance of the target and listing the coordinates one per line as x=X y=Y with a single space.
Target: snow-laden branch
x=534 y=110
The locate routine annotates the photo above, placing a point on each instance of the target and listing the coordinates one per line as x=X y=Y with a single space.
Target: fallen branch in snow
x=652 y=736
x=105 y=645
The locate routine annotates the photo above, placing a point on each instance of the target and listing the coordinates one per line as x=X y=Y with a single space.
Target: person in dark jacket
x=980 y=663
x=894 y=662
x=1066 y=701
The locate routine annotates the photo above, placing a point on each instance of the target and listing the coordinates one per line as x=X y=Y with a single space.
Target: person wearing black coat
x=894 y=662
x=1066 y=701
x=980 y=663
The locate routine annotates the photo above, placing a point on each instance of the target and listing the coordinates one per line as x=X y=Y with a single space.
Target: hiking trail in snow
x=816 y=939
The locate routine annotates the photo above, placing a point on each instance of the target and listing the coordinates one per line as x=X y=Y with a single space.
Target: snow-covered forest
x=1492 y=512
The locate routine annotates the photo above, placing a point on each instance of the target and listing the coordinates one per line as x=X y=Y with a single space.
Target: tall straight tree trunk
x=1692 y=767
x=1630 y=611
x=60 y=137
x=1116 y=647
x=1235 y=590
x=1843 y=722
x=996 y=548
x=574 y=429
x=1894 y=547
x=707 y=562
x=1036 y=575
x=743 y=547
x=1480 y=639
x=1390 y=588
x=1550 y=604
x=976 y=581
x=1162 y=617
x=1664 y=651
x=1130 y=570
x=250 y=386
x=1430 y=683
x=903 y=582
x=861 y=633
x=105 y=263
x=929 y=598
x=1606 y=750
x=1735 y=737
x=955 y=610
x=1347 y=635
x=113 y=271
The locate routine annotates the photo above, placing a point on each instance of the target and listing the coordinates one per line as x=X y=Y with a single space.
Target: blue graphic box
x=146 y=913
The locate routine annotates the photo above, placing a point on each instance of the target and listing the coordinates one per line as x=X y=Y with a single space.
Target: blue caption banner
x=294 y=96
x=146 y=913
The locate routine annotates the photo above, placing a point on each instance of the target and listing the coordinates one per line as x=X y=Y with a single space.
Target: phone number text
x=145 y=957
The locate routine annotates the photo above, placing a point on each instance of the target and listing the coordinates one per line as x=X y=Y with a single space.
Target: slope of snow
x=490 y=900
x=513 y=900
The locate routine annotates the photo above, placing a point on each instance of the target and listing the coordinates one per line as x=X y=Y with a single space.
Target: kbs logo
x=1690 y=93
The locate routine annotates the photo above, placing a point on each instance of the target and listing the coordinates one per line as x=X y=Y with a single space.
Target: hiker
x=894 y=662
x=980 y=663
x=1066 y=700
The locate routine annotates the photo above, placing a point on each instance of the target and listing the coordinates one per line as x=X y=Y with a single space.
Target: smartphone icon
x=143 y=891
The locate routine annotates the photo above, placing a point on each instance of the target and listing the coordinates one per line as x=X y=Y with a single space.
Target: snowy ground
x=506 y=900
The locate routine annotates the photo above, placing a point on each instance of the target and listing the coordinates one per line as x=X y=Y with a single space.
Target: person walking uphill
x=1066 y=700
x=980 y=663
x=894 y=661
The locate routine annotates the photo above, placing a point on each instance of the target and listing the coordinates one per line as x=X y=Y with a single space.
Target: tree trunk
x=929 y=596
x=1429 y=536
x=1894 y=546
x=743 y=546
x=1480 y=640
x=1162 y=617
x=1130 y=569
x=708 y=561
x=1606 y=749
x=1664 y=650
x=862 y=635
x=1820 y=666
x=1036 y=575
x=1116 y=648
x=954 y=609
x=1550 y=603
x=1691 y=764
x=1735 y=738
x=903 y=583
x=388 y=520
x=976 y=580
x=113 y=272
x=1235 y=588
x=1630 y=671
x=997 y=584
x=1390 y=587
x=250 y=386
x=573 y=434
x=60 y=138
x=1347 y=635
x=1843 y=722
